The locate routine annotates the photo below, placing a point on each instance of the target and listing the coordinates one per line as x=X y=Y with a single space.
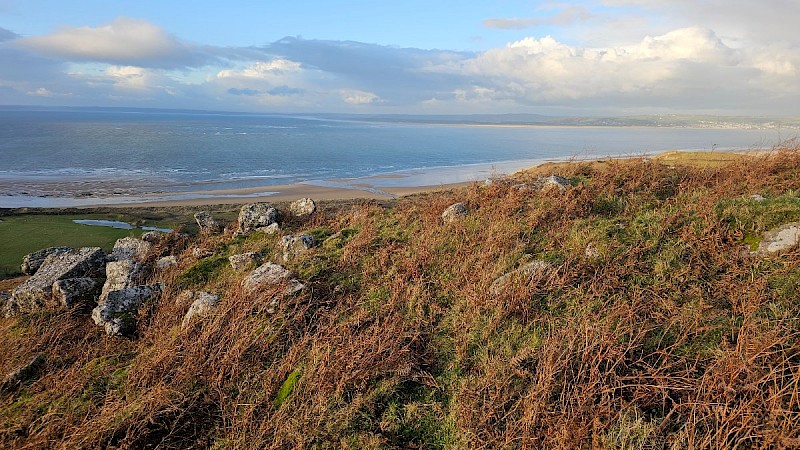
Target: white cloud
x=567 y=16
x=356 y=97
x=125 y=40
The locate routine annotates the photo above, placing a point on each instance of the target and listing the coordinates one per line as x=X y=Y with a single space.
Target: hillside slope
x=647 y=323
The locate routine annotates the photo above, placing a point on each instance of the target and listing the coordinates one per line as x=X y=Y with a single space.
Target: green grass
x=25 y=234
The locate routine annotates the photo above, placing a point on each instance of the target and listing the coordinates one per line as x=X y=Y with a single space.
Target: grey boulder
x=271 y=274
x=36 y=291
x=206 y=223
x=203 y=305
x=294 y=245
x=779 y=239
x=32 y=261
x=528 y=272
x=303 y=207
x=256 y=215
x=243 y=261
x=117 y=311
x=130 y=248
x=73 y=292
x=455 y=212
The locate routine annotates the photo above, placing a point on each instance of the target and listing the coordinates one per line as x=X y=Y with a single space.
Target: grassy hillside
x=653 y=327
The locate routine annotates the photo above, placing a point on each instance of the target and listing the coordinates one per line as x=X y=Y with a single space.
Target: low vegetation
x=654 y=329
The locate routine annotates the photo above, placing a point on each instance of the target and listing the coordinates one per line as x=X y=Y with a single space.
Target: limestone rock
x=37 y=290
x=553 y=181
x=243 y=261
x=524 y=274
x=6 y=310
x=202 y=253
x=166 y=262
x=206 y=223
x=455 y=212
x=303 y=207
x=204 y=304
x=130 y=248
x=32 y=261
x=294 y=245
x=120 y=275
x=256 y=215
x=153 y=236
x=117 y=311
x=76 y=291
x=778 y=239
x=23 y=373
x=270 y=274
x=272 y=228
x=757 y=197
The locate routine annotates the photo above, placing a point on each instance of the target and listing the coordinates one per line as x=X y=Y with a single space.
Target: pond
x=117 y=224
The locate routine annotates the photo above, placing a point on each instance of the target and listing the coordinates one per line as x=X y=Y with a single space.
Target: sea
x=85 y=157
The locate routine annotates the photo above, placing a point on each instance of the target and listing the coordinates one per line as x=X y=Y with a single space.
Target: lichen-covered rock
x=153 y=236
x=455 y=212
x=271 y=274
x=303 y=207
x=36 y=291
x=524 y=274
x=130 y=248
x=200 y=253
x=203 y=305
x=778 y=239
x=23 y=373
x=166 y=262
x=553 y=181
x=116 y=313
x=6 y=309
x=73 y=292
x=256 y=215
x=122 y=274
x=272 y=228
x=757 y=197
x=206 y=223
x=32 y=261
x=293 y=245
x=243 y=261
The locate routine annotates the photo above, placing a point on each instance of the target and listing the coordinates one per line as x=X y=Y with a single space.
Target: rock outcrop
x=303 y=207
x=779 y=239
x=74 y=292
x=203 y=305
x=256 y=215
x=37 y=290
x=294 y=245
x=206 y=223
x=166 y=262
x=455 y=212
x=117 y=312
x=130 y=248
x=32 y=261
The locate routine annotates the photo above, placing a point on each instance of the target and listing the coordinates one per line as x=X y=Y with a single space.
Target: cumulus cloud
x=125 y=41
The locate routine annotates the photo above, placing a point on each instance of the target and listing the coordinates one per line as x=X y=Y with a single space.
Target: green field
x=21 y=235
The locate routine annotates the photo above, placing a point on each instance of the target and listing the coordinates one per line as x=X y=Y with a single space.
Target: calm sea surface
x=181 y=151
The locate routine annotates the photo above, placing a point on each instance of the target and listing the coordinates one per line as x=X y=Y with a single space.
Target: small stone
x=166 y=261
x=256 y=215
x=757 y=197
x=23 y=373
x=153 y=236
x=524 y=274
x=591 y=252
x=553 y=181
x=294 y=245
x=76 y=291
x=455 y=212
x=243 y=261
x=204 y=304
x=270 y=274
x=778 y=239
x=272 y=228
x=206 y=223
x=303 y=207
x=202 y=253
x=32 y=261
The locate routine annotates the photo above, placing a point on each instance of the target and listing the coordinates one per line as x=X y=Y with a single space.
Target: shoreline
x=381 y=186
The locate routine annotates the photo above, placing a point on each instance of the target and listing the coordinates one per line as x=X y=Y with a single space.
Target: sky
x=588 y=57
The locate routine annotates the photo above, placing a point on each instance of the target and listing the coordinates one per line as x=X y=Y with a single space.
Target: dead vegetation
x=654 y=330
